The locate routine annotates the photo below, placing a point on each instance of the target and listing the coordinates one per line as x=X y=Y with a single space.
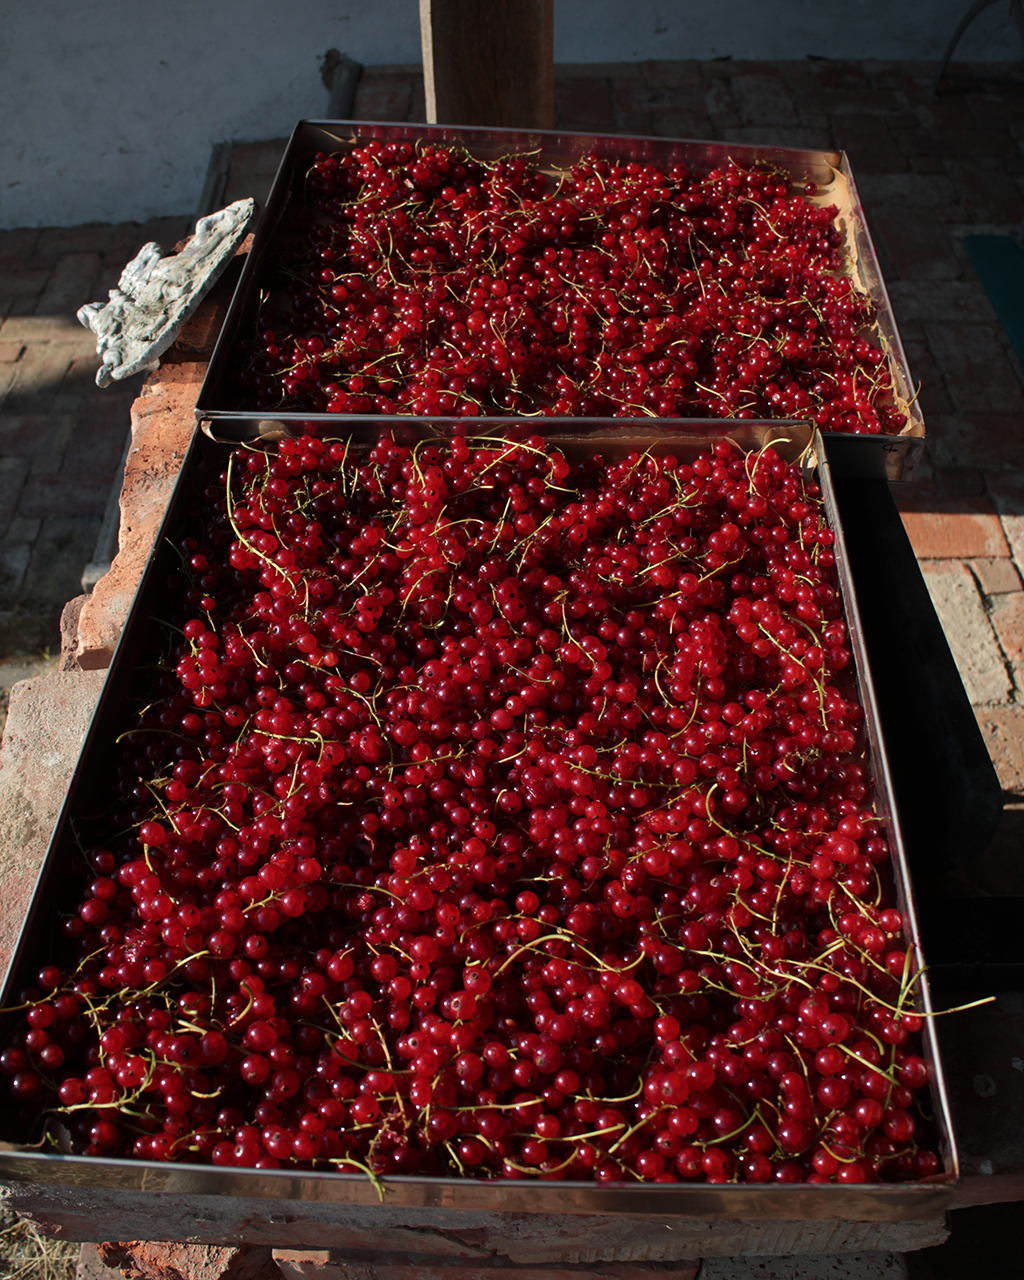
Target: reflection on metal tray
x=889 y=457
x=879 y=1202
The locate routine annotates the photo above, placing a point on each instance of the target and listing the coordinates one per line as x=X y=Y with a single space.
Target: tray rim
x=836 y=161
x=868 y=1202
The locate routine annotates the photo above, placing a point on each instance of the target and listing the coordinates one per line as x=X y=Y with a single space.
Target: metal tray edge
x=883 y=780
x=872 y=1202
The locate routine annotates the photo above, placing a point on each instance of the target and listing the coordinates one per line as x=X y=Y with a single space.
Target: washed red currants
x=499 y=813
x=419 y=280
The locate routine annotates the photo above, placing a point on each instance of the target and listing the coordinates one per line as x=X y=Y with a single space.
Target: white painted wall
x=109 y=108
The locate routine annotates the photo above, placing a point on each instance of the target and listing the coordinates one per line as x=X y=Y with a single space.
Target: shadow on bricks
x=61 y=438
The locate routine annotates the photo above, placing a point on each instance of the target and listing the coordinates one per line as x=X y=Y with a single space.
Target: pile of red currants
x=419 y=280
x=497 y=814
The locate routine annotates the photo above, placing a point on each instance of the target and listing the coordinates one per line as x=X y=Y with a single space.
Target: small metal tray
x=892 y=457
x=39 y=938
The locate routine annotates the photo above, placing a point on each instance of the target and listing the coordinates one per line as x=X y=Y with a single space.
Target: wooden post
x=489 y=62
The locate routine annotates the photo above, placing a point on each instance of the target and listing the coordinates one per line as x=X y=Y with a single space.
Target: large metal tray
x=878 y=1202
x=892 y=457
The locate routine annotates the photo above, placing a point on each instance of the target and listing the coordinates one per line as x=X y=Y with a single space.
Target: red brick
x=675 y=124
x=71 y=495
x=926 y=375
x=911 y=330
x=48 y=718
x=912 y=79
x=803 y=88
x=102 y=428
x=33 y=434
x=1007 y=614
x=418 y=104
x=90 y=237
x=92 y=1267
x=991 y=441
x=953 y=528
x=996 y=577
x=720 y=105
x=672 y=76
x=165 y=231
x=992 y=110
x=951 y=111
x=40 y=373
x=60 y=552
x=80 y=379
x=69 y=633
x=730 y=68
x=31 y=330
x=633 y=104
x=978 y=374
x=868 y=143
x=925 y=162
x=778 y=135
x=16 y=246
x=200 y=331
x=252 y=170
x=958 y=301
x=162 y=426
x=928 y=190
x=1007 y=491
x=127 y=238
x=107 y=412
x=960 y=482
x=8 y=374
x=383 y=96
x=13 y=471
x=987 y=192
x=27 y=282
x=836 y=74
x=584 y=103
x=151 y=1260
x=763 y=100
x=70 y=285
x=46 y=461
x=917 y=243
x=972 y=641
x=1003 y=731
x=972 y=144
x=632 y=94
x=919 y=490
x=864 y=102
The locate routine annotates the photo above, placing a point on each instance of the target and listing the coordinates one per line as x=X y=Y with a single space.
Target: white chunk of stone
x=157 y=294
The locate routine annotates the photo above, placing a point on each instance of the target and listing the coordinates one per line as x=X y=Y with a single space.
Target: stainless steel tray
x=877 y=1202
x=893 y=457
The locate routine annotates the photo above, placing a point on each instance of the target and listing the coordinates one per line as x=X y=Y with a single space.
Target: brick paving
x=929 y=174
x=61 y=437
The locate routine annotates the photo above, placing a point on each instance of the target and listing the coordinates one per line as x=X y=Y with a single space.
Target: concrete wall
x=109 y=108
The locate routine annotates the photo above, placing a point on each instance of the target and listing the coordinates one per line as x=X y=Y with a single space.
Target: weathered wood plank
x=93 y=1213
x=489 y=62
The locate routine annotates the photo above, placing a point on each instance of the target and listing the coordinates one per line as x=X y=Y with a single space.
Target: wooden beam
x=489 y=62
